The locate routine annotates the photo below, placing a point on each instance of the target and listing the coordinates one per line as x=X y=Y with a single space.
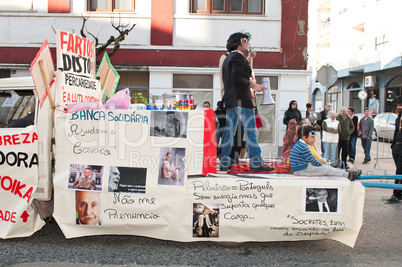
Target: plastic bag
x=120 y=100
x=70 y=108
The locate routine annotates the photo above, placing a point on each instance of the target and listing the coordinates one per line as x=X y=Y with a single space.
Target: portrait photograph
x=172 y=124
x=88 y=208
x=171 y=166
x=127 y=179
x=321 y=200
x=85 y=177
x=205 y=220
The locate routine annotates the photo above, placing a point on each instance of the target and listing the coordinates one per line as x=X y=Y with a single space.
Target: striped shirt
x=301 y=156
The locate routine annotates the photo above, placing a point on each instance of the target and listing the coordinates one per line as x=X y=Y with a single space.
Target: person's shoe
x=351 y=160
x=369 y=159
x=262 y=168
x=393 y=199
x=225 y=169
x=354 y=175
x=365 y=162
x=336 y=164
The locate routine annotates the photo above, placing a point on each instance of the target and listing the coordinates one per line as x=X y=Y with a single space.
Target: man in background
x=322 y=116
x=353 y=136
x=347 y=129
x=366 y=128
x=397 y=152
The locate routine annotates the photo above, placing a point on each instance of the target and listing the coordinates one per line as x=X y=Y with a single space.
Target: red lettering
x=15 y=187
x=16 y=139
x=3 y=183
x=7 y=139
x=18 y=188
x=34 y=137
x=26 y=138
x=78 y=42
x=28 y=194
x=8 y=216
x=62 y=39
x=70 y=45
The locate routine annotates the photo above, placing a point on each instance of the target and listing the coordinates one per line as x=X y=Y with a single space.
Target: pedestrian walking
x=366 y=128
x=353 y=136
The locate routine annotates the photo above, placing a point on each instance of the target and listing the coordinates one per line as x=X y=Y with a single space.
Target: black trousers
x=344 y=146
x=397 y=155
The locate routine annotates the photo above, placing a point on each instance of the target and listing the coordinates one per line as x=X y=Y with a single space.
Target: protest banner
x=42 y=71
x=133 y=173
x=75 y=89
x=19 y=178
x=75 y=54
x=108 y=76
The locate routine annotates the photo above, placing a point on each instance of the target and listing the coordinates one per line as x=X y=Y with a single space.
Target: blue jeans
x=219 y=134
x=247 y=118
x=352 y=147
x=330 y=151
x=322 y=145
x=366 y=144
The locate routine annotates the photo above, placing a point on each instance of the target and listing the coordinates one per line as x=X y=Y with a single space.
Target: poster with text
x=73 y=89
x=19 y=178
x=153 y=188
x=75 y=54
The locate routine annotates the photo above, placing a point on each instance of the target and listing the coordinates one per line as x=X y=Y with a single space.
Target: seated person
x=303 y=163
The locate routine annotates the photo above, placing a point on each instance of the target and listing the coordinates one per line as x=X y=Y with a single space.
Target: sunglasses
x=312 y=133
x=245 y=41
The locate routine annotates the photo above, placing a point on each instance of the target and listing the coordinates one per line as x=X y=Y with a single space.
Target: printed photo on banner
x=87 y=208
x=205 y=220
x=85 y=177
x=171 y=166
x=169 y=124
x=127 y=179
x=322 y=200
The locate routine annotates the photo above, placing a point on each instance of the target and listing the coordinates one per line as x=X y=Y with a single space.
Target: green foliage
x=141 y=99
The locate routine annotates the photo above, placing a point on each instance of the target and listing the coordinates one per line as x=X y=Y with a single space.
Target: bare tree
x=123 y=30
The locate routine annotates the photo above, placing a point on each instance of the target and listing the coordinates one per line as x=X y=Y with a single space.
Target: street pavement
x=378 y=244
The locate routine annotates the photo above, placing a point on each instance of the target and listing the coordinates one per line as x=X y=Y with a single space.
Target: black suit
x=236 y=73
x=313 y=206
x=397 y=154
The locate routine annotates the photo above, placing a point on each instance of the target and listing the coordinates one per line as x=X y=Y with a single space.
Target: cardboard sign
x=75 y=89
x=40 y=76
x=129 y=172
x=75 y=55
x=18 y=182
x=108 y=76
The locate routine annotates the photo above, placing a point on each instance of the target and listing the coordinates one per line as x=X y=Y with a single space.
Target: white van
x=16 y=95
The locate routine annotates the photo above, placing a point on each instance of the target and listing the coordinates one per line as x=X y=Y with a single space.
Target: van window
x=16 y=105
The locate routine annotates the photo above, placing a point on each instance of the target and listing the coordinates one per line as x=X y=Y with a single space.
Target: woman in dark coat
x=292 y=114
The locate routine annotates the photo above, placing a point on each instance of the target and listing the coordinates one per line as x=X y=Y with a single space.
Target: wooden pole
x=46 y=82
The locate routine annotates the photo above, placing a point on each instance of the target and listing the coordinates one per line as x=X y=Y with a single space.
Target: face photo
x=322 y=200
x=169 y=124
x=85 y=177
x=127 y=180
x=88 y=208
x=171 y=166
x=205 y=220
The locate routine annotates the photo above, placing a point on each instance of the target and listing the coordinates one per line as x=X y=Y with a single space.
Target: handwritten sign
x=18 y=182
x=75 y=54
x=75 y=89
x=147 y=186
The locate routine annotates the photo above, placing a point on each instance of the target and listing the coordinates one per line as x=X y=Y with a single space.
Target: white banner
x=73 y=89
x=127 y=172
x=18 y=182
x=75 y=54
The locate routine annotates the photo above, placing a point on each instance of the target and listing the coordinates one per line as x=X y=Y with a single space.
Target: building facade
x=175 y=45
x=361 y=41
